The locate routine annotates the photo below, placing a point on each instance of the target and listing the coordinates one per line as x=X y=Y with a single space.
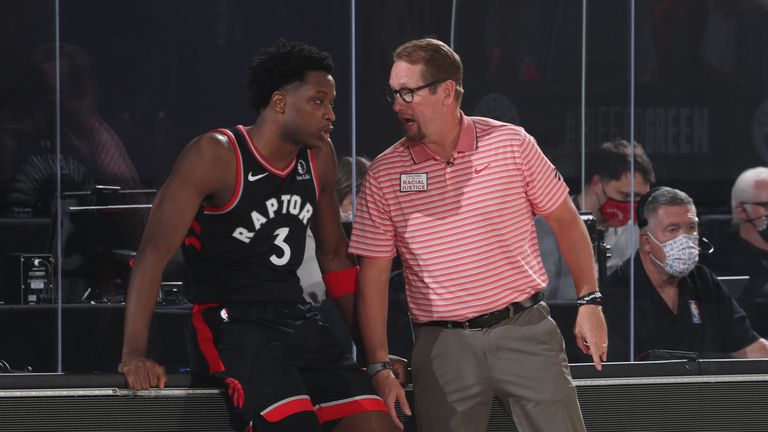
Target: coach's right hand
x=142 y=373
x=391 y=390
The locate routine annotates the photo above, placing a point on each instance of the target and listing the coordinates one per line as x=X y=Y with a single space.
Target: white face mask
x=682 y=254
x=346 y=216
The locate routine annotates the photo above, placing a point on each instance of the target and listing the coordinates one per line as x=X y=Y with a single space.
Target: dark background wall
x=147 y=76
x=167 y=71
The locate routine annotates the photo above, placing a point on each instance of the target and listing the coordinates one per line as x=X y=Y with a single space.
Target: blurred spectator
x=90 y=154
x=345 y=180
x=745 y=249
x=678 y=30
x=309 y=271
x=606 y=195
x=679 y=305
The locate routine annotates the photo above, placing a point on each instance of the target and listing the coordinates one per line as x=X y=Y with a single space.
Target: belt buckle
x=462 y=325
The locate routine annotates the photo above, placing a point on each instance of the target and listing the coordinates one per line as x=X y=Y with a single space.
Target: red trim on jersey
x=347 y=407
x=193 y=241
x=194 y=226
x=205 y=338
x=238 y=177
x=287 y=407
x=314 y=173
x=262 y=160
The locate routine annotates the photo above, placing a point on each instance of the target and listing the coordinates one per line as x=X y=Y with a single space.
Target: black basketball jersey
x=249 y=249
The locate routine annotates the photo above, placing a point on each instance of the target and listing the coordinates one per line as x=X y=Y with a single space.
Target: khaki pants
x=457 y=372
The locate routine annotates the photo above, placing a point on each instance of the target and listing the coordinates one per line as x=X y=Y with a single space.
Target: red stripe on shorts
x=287 y=407
x=205 y=338
x=346 y=407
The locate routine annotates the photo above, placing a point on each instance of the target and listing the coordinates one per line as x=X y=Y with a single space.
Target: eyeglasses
x=763 y=204
x=406 y=94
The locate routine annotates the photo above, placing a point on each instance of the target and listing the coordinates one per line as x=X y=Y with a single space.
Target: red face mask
x=617 y=213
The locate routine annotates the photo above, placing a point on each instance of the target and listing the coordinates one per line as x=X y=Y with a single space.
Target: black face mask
x=763 y=232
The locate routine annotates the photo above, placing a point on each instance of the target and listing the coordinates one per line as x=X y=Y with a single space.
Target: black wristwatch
x=374 y=368
x=592 y=298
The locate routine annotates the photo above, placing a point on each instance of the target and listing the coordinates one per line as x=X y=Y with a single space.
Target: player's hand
x=400 y=369
x=391 y=391
x=591 y=333
x=142 y=373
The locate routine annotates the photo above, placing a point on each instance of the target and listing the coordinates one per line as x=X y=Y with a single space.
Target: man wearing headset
x=679 y=304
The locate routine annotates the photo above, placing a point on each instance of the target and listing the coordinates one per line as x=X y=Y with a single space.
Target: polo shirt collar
x=467 y=142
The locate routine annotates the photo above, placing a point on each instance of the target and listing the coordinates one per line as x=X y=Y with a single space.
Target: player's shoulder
x=207 y=149
x=213 y=142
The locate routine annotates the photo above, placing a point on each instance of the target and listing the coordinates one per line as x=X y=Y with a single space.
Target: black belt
x=490 y=319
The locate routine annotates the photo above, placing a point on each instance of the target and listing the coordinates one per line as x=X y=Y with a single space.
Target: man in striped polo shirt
x=456 y=199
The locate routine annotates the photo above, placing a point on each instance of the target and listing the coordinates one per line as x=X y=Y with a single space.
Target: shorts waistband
x=492 y=318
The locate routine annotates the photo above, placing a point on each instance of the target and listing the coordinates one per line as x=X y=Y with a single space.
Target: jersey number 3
x=281 y=234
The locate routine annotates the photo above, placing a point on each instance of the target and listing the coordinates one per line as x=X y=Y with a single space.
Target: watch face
x=375 y=368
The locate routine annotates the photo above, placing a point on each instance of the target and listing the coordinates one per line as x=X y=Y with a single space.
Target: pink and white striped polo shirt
x=464 y=230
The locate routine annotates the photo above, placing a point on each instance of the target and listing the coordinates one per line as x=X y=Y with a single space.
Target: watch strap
x=592 y=298
x=374 y=368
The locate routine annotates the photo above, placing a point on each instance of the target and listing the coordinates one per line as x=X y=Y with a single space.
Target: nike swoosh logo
x=252 y=177
x=479 y=170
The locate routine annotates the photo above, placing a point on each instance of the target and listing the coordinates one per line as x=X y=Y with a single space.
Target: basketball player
x=240 y=200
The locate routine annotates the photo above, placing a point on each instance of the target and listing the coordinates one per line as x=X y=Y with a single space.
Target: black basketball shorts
x=283 y=368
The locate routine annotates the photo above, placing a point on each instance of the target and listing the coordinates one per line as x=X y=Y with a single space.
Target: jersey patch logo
x=301 y=169
x=224 y=315
x=695 y=313
x=252 y=177
x=415 y=182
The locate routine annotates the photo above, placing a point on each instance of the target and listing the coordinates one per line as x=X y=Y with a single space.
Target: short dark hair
x=283 y=64
x=611 y=161
x=439 y=60
x=649 y=204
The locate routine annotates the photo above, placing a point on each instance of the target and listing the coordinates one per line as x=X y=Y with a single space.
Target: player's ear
x=278 y=101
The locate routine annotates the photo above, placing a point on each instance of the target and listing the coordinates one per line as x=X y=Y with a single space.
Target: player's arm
x=573 y=240
x=336 y=265
x=203 y=173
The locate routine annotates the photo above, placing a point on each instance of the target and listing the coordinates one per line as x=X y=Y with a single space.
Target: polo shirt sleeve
x=544 y=186
x=373 y=233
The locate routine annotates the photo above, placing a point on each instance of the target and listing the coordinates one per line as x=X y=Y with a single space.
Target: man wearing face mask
x=606 y=195
x=679 y=304
x=745 y=250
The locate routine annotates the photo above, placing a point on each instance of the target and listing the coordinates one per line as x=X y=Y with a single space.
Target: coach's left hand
x=592 y=334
